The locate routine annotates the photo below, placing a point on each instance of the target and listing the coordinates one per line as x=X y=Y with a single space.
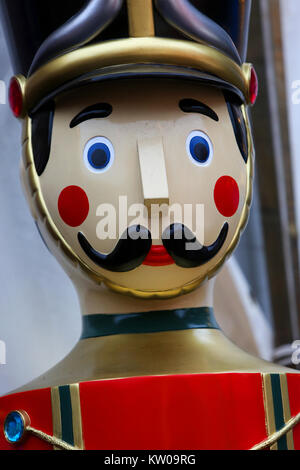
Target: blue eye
x=99 y=154
x=199 y=148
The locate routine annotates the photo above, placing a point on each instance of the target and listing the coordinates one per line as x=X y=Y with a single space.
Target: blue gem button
x=14 y=427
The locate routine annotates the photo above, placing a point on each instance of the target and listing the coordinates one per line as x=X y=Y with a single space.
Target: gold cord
x=50 y=439
x=262 y=445
x=277 y=435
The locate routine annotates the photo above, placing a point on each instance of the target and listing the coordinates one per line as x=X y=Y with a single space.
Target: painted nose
x=153 y=171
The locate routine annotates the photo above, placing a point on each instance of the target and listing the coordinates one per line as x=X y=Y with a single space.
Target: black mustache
x=135 y=244
x=129 y=253
x=175 y=238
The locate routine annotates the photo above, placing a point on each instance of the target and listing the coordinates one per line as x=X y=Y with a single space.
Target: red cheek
x=227 y=196
x=73 y=206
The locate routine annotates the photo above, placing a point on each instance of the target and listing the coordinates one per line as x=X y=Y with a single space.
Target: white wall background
x=39 y=313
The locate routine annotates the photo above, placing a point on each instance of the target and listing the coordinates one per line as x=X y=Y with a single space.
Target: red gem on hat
x=253 y=88
x=15 y=97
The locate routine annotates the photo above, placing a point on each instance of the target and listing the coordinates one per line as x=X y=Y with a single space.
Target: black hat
x=57 y=44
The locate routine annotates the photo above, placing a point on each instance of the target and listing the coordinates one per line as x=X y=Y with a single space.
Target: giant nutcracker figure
x=126 y=107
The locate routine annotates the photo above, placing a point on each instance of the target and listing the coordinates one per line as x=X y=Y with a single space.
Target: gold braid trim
x=277 y=435
x=50 y=439
x=262 y=445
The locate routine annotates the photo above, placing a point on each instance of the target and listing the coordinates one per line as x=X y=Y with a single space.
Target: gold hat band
x=133 y=51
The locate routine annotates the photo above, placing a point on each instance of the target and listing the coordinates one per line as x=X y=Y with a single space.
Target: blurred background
x=257 y=292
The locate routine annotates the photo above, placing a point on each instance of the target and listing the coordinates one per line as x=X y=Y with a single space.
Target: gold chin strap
x=277 y=435
x=41 y=214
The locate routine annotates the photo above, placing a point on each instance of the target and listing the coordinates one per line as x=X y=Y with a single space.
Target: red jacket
x=201 y=411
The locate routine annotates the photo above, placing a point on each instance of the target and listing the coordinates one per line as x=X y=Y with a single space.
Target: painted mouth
x=158 y=256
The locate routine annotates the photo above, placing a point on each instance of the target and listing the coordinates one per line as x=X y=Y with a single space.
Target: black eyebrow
x=189 y=105
x=99 y=110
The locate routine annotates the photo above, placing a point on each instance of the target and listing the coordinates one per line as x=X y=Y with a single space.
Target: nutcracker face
x=118 y=151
